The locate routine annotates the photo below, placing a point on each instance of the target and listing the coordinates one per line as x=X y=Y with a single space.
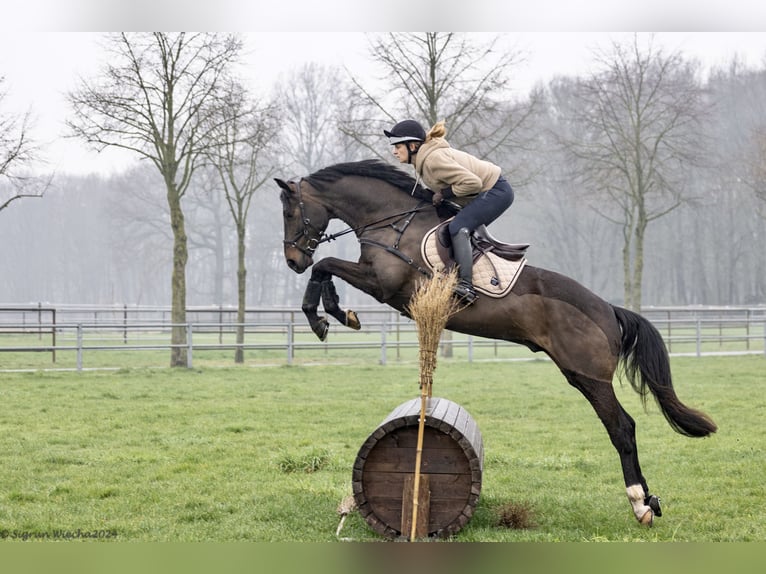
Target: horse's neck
x=360 y=209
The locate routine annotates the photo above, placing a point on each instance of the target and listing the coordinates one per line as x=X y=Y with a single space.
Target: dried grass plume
x=431 y=306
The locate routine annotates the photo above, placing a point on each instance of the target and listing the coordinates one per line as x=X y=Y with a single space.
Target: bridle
x=312 y=242
x=315 y=237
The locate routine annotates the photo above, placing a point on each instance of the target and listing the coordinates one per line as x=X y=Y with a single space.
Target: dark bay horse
x=585 y=336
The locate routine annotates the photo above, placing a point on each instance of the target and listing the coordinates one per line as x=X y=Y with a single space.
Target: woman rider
x=449 y=173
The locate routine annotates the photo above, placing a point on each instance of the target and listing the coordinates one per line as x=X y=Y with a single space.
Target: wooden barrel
x=452 y=459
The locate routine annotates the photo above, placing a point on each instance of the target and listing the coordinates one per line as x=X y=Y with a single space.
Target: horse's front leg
x=330 y=302
x=310 y=305
x=358 y=275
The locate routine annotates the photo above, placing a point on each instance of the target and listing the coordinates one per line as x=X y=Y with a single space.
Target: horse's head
x=305 y=221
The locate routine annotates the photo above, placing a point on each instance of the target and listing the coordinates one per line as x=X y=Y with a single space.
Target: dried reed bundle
x=431 y=306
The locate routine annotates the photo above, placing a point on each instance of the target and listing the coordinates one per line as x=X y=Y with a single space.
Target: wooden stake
x=420 y=519
x=418 y=460
x=431 y=306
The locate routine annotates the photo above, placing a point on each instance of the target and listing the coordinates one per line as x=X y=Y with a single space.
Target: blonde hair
x=438 y=130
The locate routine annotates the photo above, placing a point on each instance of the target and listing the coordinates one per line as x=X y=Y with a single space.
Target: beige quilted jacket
x=440 y=166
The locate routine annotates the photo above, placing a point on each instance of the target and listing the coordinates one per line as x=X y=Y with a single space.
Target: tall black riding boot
x=463 y=253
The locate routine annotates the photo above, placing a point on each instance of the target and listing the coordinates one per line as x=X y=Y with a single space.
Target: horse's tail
x=646 y=365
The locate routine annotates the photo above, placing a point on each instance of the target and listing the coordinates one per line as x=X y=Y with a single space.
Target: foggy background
x=104 y=238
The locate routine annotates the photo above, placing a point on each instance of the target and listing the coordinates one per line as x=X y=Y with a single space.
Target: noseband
x=312 y=242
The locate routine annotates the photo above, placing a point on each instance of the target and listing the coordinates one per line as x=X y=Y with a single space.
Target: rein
x=319 y=237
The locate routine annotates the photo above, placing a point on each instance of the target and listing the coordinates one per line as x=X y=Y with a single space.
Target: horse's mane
x=368 y=168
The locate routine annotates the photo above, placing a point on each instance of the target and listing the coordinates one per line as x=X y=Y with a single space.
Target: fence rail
x=78 y=337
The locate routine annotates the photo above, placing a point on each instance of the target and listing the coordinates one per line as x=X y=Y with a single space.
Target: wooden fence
x=78 y=337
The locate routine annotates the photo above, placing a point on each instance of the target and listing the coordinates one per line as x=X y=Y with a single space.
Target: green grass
x=265 y=454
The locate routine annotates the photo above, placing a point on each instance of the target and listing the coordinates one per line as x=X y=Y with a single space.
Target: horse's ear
x=282 y=184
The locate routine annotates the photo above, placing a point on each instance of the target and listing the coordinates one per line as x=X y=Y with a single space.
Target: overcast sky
x=40 y=65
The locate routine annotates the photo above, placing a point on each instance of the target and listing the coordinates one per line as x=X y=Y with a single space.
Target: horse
x=589 y=339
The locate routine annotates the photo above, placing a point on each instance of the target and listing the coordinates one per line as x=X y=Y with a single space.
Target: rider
x=449 y=173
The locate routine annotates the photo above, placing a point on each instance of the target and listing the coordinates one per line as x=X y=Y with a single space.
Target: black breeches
x=484 y=208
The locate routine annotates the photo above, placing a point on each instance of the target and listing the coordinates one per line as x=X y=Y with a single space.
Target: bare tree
x=576 y=240
x=638 y=120
x=745 y=91
x=734 y=218
x=17 y=153
x=313 y=100
x=462 y=79
x=245 y=133
x=156 y=97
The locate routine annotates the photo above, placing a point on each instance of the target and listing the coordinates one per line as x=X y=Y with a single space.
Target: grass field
x=265 y=453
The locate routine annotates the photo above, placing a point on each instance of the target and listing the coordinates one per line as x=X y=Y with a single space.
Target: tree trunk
x=239 y=355
x=178 y=354
x=627 y=293
x=638 y=266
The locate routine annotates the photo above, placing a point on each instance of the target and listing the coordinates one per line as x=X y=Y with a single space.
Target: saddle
x=482 y=243
x=496 y=265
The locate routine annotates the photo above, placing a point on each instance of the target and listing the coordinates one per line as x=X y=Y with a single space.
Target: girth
x=395 y=251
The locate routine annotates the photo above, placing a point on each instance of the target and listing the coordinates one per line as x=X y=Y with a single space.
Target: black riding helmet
x=406 y=131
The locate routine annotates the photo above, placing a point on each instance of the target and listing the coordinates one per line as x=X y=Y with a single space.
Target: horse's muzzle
x=299 y=266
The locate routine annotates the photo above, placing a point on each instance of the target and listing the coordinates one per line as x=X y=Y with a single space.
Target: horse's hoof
x=653 y=502
x=352 y=321
x=321 y=329
x=648 y=518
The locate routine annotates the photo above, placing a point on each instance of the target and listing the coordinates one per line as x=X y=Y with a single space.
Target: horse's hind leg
x=330 y=301
x=622 y=432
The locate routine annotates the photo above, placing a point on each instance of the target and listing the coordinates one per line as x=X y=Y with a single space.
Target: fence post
x=53 y=334
x=398 y=338
x=383 y=341
x=79 y=347
x=470 y=348
x=699 y=337
x=670 y=333
x=290 y=340
x=189 y=345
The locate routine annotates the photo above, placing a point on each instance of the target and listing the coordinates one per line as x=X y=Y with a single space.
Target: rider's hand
x=437 y=198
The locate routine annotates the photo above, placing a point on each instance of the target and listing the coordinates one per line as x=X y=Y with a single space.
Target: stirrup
x=465 y=292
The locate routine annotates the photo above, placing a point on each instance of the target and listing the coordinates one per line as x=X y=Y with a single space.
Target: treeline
x=107 y=239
